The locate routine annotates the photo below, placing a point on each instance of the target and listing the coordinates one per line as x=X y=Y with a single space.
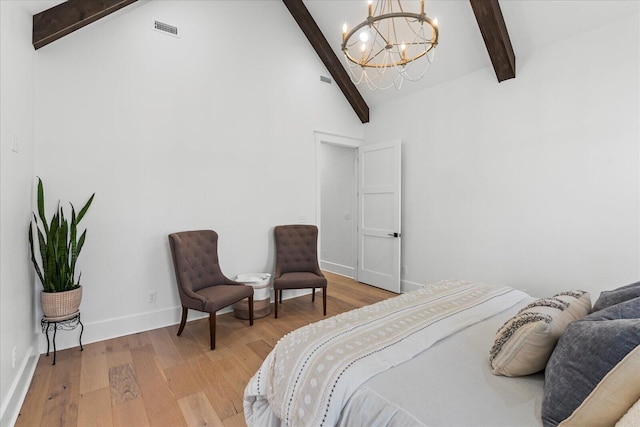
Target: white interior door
x=379 y=232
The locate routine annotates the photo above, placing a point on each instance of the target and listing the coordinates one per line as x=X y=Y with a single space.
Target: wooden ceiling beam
x=311 y=30
x=496 y=37
x=65 y=18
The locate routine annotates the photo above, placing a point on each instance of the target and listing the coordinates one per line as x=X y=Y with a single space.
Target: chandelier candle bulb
x=370 y=6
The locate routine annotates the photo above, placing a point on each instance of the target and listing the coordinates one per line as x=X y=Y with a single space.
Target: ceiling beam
x=496 y=37
x=310 y=29
x=65 y=18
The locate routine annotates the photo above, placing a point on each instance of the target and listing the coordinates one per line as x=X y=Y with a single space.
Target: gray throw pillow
x=629 y=309
x=616 y=296
x=593 y=374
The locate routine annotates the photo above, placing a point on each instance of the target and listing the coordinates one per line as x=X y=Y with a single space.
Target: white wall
x=532 y=182
x=17 y=323
x=210 y=130
x=338 y=209
x=534 y=185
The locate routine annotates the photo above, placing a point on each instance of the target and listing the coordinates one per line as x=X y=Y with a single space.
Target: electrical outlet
x=152 y=296
x=13 y=357
x=404 y=269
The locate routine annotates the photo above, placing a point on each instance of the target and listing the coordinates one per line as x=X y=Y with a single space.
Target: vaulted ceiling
x=71 y=15
x=474 y=34
x=488 y=16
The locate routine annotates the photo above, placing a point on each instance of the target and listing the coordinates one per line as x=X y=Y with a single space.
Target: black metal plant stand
x=67 y=323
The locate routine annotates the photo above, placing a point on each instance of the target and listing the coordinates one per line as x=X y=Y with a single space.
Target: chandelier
x=383 y=50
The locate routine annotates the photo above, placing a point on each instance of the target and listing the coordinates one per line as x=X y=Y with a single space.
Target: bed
x=421 y=359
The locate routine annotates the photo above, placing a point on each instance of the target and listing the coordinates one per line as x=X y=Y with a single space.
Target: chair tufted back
x=195 y=258
x=296 y=248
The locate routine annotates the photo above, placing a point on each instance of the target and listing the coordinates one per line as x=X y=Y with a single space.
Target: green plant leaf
x=85 y=208
x=43 y=217
x=76 y=251
x=58 y=243
x=33 y=256
x=46 y=260
x=72 y=239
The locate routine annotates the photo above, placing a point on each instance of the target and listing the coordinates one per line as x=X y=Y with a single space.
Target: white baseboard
x=126 y=325
x=342 y=270
x=17 y=392
x=407 y=286
x=118 y=326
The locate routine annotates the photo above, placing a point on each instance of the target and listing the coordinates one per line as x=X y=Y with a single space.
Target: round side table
x=261 y=283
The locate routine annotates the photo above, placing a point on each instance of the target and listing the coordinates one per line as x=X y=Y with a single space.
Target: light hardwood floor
x=156 y=378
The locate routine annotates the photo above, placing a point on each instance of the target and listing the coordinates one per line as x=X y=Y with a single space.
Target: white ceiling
x=532 y=24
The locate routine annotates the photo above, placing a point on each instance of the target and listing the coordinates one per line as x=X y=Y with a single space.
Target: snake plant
x=59 y=245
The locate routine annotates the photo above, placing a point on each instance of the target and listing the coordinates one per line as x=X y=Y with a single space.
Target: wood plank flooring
x=156 y=378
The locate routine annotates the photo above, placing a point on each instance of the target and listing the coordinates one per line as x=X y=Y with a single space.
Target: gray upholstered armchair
x=297 y=262
x=201 y=284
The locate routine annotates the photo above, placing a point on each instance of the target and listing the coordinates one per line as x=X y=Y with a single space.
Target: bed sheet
x=313 y=371
x=450 y=385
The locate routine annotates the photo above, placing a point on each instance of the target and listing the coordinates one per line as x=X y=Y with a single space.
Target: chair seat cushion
x=299 y=280
x=221 y=296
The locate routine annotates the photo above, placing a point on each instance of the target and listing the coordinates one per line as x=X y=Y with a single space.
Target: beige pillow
x=525 y=342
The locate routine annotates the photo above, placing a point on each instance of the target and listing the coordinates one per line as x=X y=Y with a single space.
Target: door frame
x=341 y=141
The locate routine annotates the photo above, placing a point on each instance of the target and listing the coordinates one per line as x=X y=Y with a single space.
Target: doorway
x=337 y=189
x=358 y=209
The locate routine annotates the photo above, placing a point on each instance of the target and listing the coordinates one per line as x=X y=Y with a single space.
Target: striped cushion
x=524 y=343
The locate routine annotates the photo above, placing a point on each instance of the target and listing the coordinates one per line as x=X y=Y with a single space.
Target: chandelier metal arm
x=364 y=64
x=386 y=42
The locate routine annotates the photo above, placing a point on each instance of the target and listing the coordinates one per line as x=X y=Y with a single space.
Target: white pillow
x=525 y=342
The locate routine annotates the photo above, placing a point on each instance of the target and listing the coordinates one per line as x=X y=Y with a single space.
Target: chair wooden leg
x=212 y=330
x=280 y=296
x=275 y=301
x=250 y=311
x=183 y=321
x=324 y=300
x=313 y=295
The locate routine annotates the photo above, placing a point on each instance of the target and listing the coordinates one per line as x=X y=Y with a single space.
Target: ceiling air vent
x=165 y=28
x=325 y=79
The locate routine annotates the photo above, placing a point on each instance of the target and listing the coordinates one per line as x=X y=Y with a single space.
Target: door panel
x=379 y=215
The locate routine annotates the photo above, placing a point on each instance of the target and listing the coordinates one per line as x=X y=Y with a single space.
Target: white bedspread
x=450 y=385
x=312 y=372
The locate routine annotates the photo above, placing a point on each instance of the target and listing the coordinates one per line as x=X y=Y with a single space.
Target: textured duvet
x=312 y=372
